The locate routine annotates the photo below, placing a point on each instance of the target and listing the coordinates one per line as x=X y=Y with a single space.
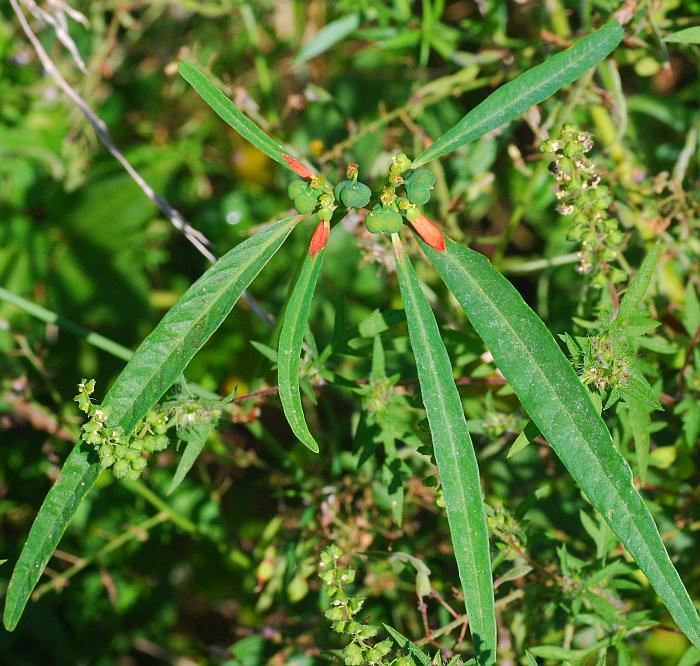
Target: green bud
x=412 y=213
x=305 y=203
x=355 y=195
x=121 y=469
x=401 y=162
x=423 y=586
x=139 y=464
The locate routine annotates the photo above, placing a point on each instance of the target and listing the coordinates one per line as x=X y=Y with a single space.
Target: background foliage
x=224 y=569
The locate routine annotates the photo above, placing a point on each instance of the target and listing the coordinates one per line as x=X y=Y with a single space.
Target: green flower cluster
x=604 y=366
x=307 y=196
x=587 y=201
x=125 y=454
x=387 y=215
x=343 y=611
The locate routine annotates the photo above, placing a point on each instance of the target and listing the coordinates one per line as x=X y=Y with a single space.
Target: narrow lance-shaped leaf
x=155 y=366
x=328 y=36
x=532 y=87
x=686 y=36
x=639 y=284
x=550 y=391
x=296 y=317
x=456 y=460
x=230 y=113
x=195 y=438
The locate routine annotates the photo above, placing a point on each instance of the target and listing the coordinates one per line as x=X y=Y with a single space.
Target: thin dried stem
x=200 y=242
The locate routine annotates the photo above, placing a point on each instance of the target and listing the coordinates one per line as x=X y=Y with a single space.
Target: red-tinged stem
x=297 y=167
x=320 y=237
x=429 y=233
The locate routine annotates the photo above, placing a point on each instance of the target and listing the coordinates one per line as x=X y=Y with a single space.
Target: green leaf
x=291 y=339
x=691 y=657
x=638 y=285
x=328 y=36
x=531 y=661
x=640 y=425
x=551 y=393
x=691 y=311
x=158 y=362
x=456 y=460
x=78 y=475
x=565 y=654
x=687 y=36
x=527 y=435
x=532 y=87
x=230 y=113
x=196 y=438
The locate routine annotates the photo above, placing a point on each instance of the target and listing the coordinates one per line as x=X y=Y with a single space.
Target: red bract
x=320 y=237
x=297 y=167
x=429 y=232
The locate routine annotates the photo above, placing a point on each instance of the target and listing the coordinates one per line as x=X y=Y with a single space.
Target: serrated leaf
x=686 y=36
x=456 y=460
x=231 y=114
x=532 y=87
x=158 y=362
x=554 y=398
x=296 y=317
x=638 y=286
x=328 y=36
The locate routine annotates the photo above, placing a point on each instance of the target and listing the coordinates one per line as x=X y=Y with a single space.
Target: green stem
x=95 y=339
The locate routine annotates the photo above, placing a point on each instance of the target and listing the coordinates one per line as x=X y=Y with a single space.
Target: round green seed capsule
x=384 y=220
x=338 y=189
x=419 y=183
x=305 y=203
x=392 y=221
x=296 y=188
x=355 y=195
x=375 y=222
x=423 y=177
x=417 y=194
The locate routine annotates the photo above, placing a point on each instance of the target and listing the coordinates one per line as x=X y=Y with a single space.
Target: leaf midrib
x=446 y=420
x=609 y=479
x=180 y=339
x=515 y=100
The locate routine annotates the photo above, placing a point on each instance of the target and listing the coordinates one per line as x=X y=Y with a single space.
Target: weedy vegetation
x=455 y=419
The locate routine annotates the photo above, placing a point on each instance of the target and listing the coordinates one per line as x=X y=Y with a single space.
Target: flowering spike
x=320 y=237
x=297 y=167
x=429 y=232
